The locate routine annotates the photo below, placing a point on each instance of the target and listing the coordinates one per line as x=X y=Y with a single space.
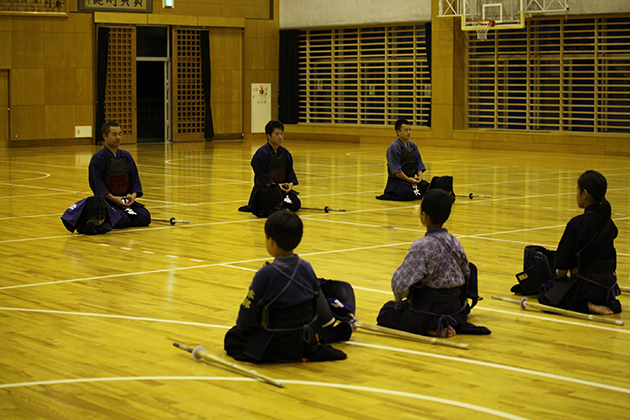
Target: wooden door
x=189 y=108
x=120 y=95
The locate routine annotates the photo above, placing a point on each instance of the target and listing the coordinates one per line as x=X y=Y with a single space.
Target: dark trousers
x=132 y=216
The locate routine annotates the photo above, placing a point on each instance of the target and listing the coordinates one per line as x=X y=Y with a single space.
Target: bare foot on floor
x=599 y=309
x=446 y=332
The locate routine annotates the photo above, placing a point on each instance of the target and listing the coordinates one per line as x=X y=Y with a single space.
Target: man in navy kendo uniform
x=404 y=167
x=113 y=174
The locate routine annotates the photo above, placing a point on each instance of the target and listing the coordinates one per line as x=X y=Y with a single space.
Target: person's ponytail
x=596 y=185
x=605 y=215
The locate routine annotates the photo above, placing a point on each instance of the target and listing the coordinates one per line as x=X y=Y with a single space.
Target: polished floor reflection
x=88 y=321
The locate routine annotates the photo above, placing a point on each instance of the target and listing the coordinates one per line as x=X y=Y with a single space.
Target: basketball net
x=482 y=26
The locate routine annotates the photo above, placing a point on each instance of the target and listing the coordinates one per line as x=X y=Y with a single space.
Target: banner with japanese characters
x=142 y=6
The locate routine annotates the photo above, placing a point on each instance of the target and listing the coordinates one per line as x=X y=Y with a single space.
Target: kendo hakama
x=270 y=170
x=429 y=309
x=90 y=216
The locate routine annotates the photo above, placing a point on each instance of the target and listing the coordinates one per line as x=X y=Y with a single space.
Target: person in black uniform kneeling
x=586 y=259
x=113 y=175
x=274 y=177
x=285 y=316
x=404 y=167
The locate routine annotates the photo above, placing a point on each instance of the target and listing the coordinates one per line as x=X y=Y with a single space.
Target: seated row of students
x=289 y=314
x=285 y=316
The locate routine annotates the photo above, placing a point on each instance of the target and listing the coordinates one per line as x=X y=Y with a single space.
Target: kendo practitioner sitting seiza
x=113 y=174
x=285 y=317
x=273 y=166
x=404 y=167
x=433 y=284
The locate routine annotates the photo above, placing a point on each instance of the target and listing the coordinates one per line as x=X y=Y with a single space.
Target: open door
x=153 y=89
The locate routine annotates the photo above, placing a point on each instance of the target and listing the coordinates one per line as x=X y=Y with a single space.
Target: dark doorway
x=151 y=78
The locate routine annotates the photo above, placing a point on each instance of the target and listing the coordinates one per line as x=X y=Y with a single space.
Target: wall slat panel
x=555 y=74
x=364 y=75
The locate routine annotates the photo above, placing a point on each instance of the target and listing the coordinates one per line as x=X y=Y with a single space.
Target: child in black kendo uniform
x=285 y=316
x=586 y=259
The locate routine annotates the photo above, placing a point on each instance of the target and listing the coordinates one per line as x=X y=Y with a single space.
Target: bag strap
x=284 y=289
x=291 y=280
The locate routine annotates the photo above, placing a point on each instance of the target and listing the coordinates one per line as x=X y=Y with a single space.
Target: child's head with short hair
x=437 y=205
x=285 y=228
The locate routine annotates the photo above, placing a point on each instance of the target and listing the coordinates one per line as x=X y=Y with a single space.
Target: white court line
x=193 y=267
x=39 y=188
x=523 y=243
x=384 y=292
x=560 y=321
x=13 y=170
x=495 y=366
x=133 y=318
x=361 y=224
x=128 y=230
x=395 y=393
x=458 y=359
x=542 y=179
x=553 y=319
x=196 y=266
x=238 y=268
x=34 y=195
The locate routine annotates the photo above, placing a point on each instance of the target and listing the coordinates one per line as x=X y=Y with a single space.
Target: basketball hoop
x=482 y=26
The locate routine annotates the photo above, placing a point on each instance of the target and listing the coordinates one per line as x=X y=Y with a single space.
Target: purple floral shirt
x=437 y=260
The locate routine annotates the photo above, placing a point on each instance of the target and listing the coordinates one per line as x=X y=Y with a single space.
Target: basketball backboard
x=506 y=14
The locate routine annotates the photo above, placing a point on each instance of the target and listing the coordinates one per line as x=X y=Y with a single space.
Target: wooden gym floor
x=88 y=322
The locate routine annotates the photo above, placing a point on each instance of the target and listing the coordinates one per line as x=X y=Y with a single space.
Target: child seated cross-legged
x=431 y=285
x=285 y=316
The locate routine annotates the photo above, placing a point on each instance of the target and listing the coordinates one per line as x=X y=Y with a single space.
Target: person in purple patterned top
x=430 y=285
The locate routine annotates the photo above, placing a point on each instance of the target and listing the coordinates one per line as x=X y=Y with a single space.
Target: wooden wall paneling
x=226 y=60
x=28 y=49
x=6 y=40
x=27 y=123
